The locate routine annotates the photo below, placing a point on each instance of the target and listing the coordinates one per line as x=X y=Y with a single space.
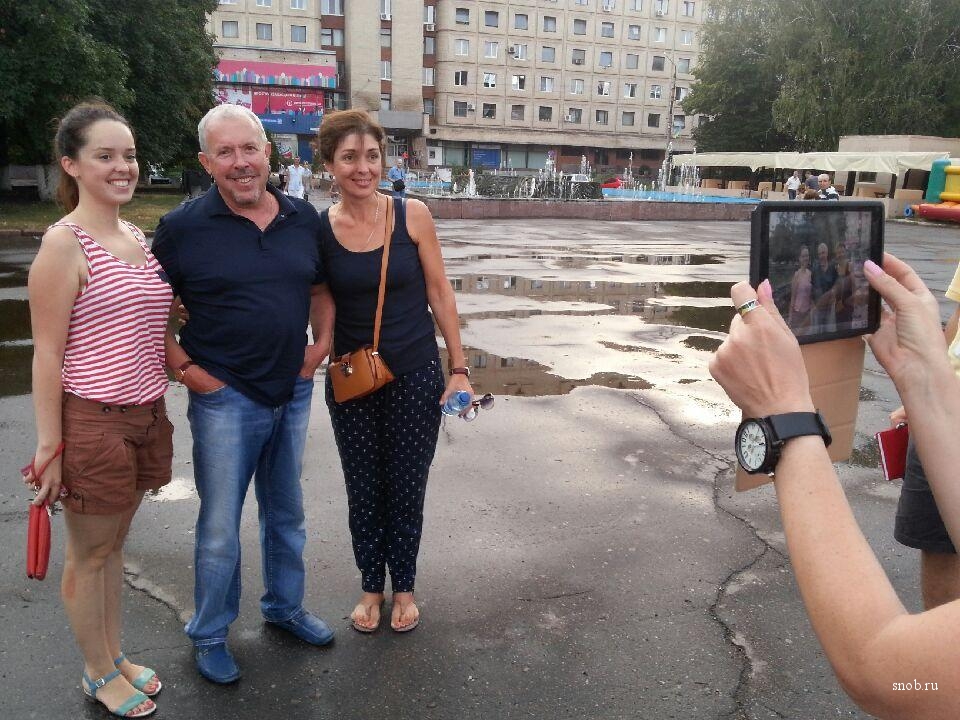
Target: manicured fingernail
x=871 y=267
x=765 y=290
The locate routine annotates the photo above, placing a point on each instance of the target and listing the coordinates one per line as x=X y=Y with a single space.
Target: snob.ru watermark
x=915 y=685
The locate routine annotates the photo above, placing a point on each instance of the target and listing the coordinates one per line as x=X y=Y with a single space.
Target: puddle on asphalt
x=699 y=305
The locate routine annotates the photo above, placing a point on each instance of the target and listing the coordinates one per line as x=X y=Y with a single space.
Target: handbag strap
x=383 y=273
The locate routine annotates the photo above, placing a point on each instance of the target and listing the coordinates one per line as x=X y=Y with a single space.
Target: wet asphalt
x=584 y=554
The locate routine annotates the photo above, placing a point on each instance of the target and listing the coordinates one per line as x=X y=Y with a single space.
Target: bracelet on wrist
x=181 y=371
x=460 y=371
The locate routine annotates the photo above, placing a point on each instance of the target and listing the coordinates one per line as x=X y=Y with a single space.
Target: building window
x=428 y=106
x=633 y=32
x=661 y=7
x=385 y=70
x=606 y=59
x=603 y=88
x=489 y=80
x=655 y=92
x=386 y=37
x=628 y=119
x=653 y=120
x=264 y=31
x=491 y=49
x=518 y=82
x=549 y=23
x=659 y=34
x=603 y=117
x=579 y=27
x=576 y=86
x=264 y=3
x=606 y=29
x=461 y=47
x=544 y=113
x=460 y=78
x=581 y=2
x=516 y=112
x=679 y=123
x=574 y=115
x=459 y=109
x=634 y=4
x=658 y=62
x=429 y=14
x=429 y=45
x=546 y=83
x=548 y=54
x=331 y=37
x=298 y=33
x=230 y=29
x=679 y=93
x=228 y=2
x=462 y=16
x=489 y=111
x=331 y=7
x=578 y=57
x=683 y=65
x=520 y=51
x=687 y=8
x=491 y=18
x=298 y=4
x=686 y=37
x=630 y=90
x=385 y=101
x=632 y=61
x=429 y=76
x=521 y=22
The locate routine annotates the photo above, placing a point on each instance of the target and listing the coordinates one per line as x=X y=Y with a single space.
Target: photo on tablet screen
x=813 y=255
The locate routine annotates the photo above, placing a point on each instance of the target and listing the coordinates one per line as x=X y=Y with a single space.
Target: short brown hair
x=338 y=125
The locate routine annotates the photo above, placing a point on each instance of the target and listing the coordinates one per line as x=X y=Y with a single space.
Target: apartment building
x=494 y=84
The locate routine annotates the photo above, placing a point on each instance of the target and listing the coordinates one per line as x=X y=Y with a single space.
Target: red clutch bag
x=893 y=451
x=38 y=525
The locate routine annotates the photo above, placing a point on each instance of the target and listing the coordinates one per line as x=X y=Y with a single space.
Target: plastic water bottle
x=456 y=403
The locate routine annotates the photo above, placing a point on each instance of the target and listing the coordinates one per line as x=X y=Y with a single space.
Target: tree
x=798 y=74
x=151 y=59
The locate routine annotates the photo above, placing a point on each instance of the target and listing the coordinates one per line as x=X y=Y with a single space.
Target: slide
x=946 y=176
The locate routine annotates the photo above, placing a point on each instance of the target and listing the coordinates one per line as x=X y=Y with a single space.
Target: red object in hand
x=893 y=451
x=38 y=525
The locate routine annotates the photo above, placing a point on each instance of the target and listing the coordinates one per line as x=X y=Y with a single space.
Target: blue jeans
x=234 y=439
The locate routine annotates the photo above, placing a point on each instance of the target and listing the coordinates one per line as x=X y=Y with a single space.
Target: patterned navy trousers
x=386 y=442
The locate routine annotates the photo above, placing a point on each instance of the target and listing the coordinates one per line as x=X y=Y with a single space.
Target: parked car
x=156 y=176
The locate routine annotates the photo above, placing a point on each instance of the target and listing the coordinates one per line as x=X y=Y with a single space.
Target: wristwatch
x=460 y=371
x=182 y=370
x=759 y=441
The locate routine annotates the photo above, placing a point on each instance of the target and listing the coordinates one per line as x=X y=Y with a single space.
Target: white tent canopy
x=883 y=162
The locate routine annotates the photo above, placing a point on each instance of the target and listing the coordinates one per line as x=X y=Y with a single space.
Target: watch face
x=751 y=446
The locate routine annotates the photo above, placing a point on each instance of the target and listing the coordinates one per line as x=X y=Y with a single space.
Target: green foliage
x=798 y=74
x=151 y=59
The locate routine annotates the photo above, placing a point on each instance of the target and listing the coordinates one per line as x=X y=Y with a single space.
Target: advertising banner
x=256 y=72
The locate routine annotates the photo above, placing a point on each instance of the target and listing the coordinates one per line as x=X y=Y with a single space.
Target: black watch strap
x=797 y=424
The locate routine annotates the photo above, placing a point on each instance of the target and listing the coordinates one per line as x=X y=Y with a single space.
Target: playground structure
x=943 y=193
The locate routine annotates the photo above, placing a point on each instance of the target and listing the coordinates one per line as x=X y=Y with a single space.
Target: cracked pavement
x=584 y=553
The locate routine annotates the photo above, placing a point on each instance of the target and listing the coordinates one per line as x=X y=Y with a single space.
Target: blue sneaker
x=307 y=627
x=216 y=663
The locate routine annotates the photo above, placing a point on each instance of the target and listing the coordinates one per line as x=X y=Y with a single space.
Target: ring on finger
x=746 y=307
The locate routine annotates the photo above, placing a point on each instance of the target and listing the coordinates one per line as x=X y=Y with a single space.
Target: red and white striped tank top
x=114 y=352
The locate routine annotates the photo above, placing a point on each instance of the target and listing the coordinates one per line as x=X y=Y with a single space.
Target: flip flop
x=366 y=610
x=409 y=626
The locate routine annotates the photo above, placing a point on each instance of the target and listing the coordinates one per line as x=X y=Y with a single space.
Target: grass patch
x=144 y=211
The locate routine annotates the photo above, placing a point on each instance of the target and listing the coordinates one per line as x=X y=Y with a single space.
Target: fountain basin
x=481 y=208
x=662 y=196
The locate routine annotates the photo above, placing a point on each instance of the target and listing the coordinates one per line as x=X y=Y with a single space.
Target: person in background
x=793 y=184
x=298 y=179
x=395 y=175
x=811 y=181
x=801 y=289
x=244 y=261
x=826 y=191
x=387 y=439
x=99 y=308
x=893 y=664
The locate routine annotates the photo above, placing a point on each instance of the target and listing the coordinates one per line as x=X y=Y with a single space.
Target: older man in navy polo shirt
x=244 y=260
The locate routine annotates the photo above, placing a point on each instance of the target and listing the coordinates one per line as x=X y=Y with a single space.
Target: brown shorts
x=112 y=453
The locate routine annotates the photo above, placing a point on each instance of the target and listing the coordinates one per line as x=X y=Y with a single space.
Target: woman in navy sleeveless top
x=386 y=440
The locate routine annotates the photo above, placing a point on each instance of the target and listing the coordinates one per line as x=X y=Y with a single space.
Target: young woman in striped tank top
x=99 y=306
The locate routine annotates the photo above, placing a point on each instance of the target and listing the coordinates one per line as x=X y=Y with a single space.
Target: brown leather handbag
x=362 y=372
